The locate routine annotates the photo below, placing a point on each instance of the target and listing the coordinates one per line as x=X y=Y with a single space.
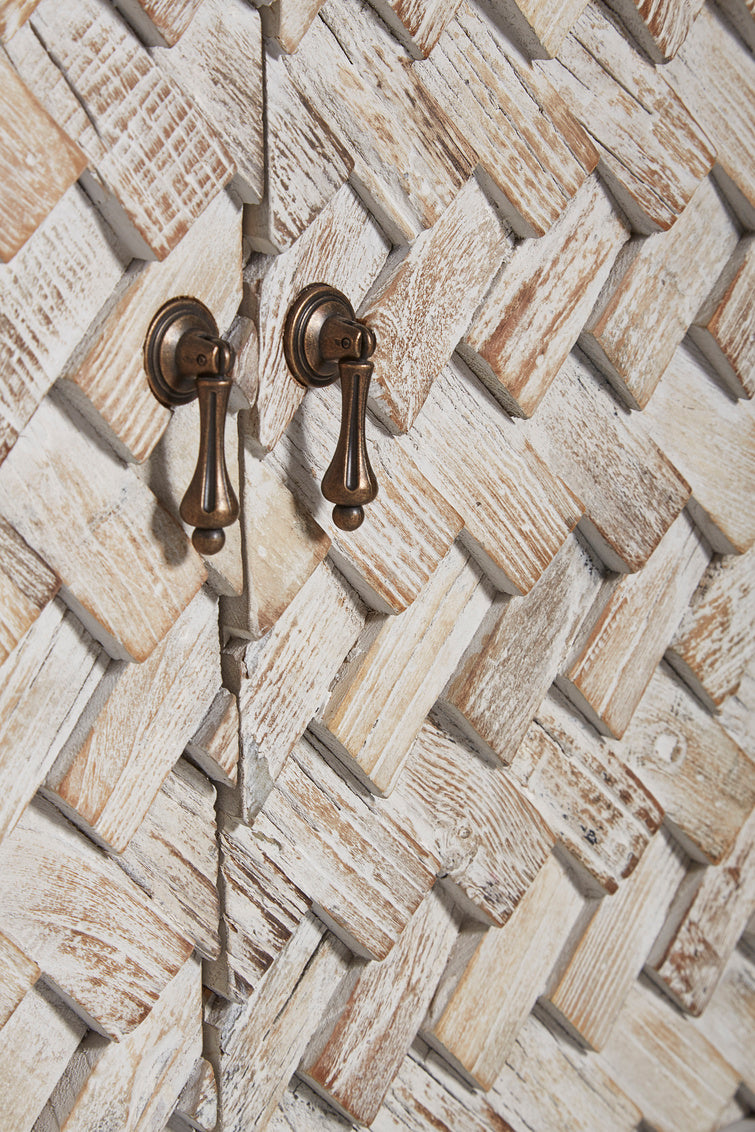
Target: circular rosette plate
x=176 y=318
x=301 y=336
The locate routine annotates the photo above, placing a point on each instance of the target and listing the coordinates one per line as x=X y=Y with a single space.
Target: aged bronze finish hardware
x=184 y=358
x=323 y=340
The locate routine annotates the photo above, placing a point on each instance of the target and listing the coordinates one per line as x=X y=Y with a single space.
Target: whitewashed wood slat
x=653 y=152
x=39 y=161
x=488 y=840
x=35 y=1045
x=737 y=713
x=419 y=25
x=344 y=247
x=716 y=639
x=518 y=651
x=714 y=74
x=136 y=1082
x=108 y=784
x=127 y=568
x=653 y=294
x=106 y=379
x=20 y=973
x=631 y=490
x=156 y=163
x=533 y=153
x=288 y=21
x=397 y=670
x=46 y=684
x=284 y=678
x=539 y=25
x=197 y=1105
x=301 y=1110
x=690 y=954
x=90 y=929
x=261 y=1044
x=516 y=512
x=728 y=1021
x=448 y=268
x=160 y=21
x=410 y=158
x=666 y=1067
x=704 y=781
x=724 y=327
x=354 y=1064
x=591 y=991
x=608 y=673
x=173 y=856
x=350 y=854
x=70 y=265
x=218 y=63
x=214 y=746
x=474 y=1024
x=659 y=26
x=27 y=585
x=719 y=462
x=741 y=14
x=282 y=547
x=517 y=346
x=418 y=1101
x=14 y=13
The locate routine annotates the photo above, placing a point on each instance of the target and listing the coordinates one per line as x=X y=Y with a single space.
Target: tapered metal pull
x=323 y=340
x=184 y=358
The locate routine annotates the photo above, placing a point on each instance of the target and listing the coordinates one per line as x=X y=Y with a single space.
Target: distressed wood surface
x=722 y=470
x=654 y=293
x=110 y=782
x=475 y=1026
x=197 y=1105
x=489 y=842
x=26 y=586
x=214 y=746
x=160 y=21
x=591 y=991
x=533 y=153
x=418 y=1101
x=288 y=21
x=741 y=14
x=704 y=781
x=516 y=512
x=653 y=152
x=515 y=656
x=388 y=1003
x=659 y=26
x=20 y=973
x=611 y=669
x=398 y=668
x=728 y=1021
x=301 y=1110
x=539 y=25
x=419 y=25
x=517 y=346
x=724 y=326
x=39 y=161
x=14 y=13
x=716 y=639
x=77 y=915
x=127 y=568
x=630 y=489
x=72 y=262
x=157 y=162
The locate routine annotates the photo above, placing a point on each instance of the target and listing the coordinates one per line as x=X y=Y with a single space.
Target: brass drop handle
x=323 y=340
x=184 y=358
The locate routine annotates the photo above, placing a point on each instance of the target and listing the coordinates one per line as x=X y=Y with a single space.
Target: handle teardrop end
x=348 y=518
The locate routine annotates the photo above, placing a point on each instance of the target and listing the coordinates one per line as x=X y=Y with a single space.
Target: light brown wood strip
x=26 y=586
x=19 y=974
x=659 y=26
x=14 y=13
x=724 y=327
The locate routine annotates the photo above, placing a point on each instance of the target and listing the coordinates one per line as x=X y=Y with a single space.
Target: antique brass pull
x=323 y=340
x=184 y=358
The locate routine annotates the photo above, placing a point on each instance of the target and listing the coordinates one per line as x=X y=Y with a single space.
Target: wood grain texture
x=354 y=1065
x=214 y=746
x=512 y=662
x=517 y=346
x=39 y=162
x=716 y=639
x=418 y=25
x=719 y=462
x=703 y=780
x=90 y=929
x=590 y=993
x=365 y=875
x=607 y=677
x=46 y=684
x=724 y=326
x=631 y=490
x=728 y=1021
x=127 y=568
x=653 y=152
x=20 y=973
x=301 y=1110
x=397 y=670
x=157 y=162
x=539 y=25
x=160 y=21
x=418 y=1101
x=667 y=1068
x=489 y=841
x=14 y=13
x=516 y=512
x=449 y=267
x=690 y=955
x=138 y=735
x=653 y=294
x=659 y=26
x=26 y=587
x=69 y=267
x=197 y=1105
x=741 y=14
x=475 y=1026
x=288 y=21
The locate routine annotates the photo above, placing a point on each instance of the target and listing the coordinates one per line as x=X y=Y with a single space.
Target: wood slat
x=288 y=21
x=741 y=14
x=14 y=13
x=659 y=26
x=728 y=1021
x=418 y=25
x=27 y=584
x=20 y=973
x=197 y=1105
x=724 y=327
x=214 y=746
x=539 y=25
x=160 y=21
